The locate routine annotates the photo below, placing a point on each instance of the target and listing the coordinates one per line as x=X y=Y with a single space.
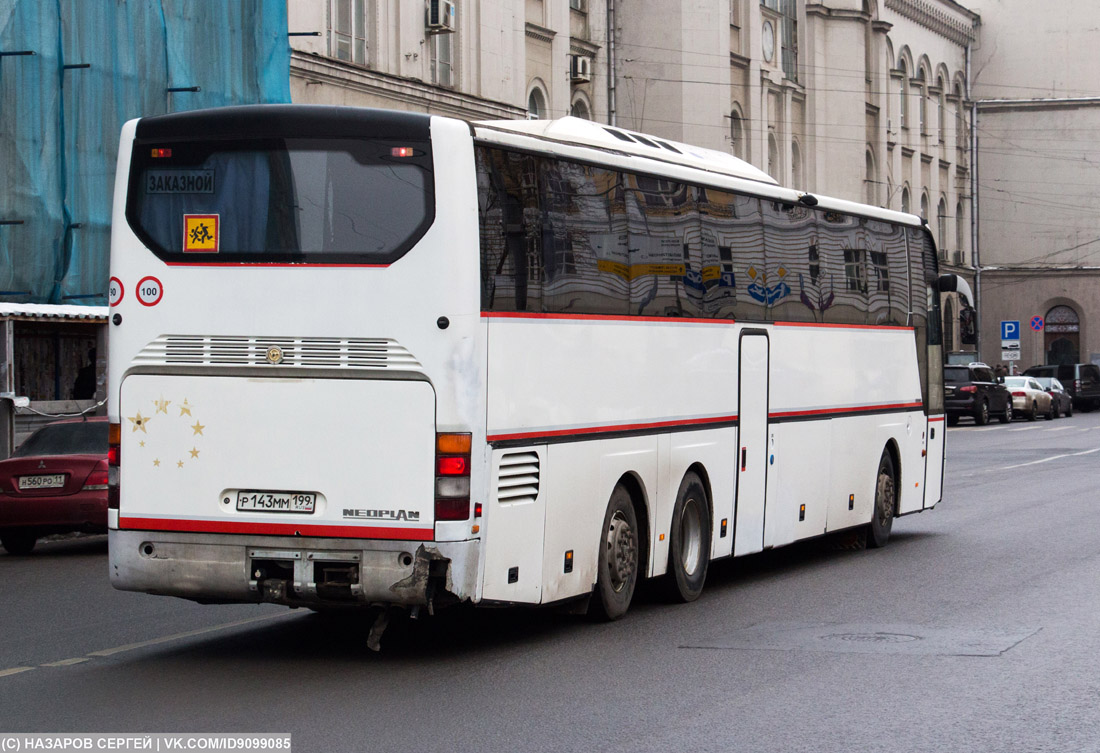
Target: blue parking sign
x=1010 y=330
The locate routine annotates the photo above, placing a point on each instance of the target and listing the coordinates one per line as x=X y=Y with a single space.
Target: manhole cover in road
x=864 y=638
x=871 y=637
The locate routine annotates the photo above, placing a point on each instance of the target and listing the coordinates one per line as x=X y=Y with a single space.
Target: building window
x=941 y=108
x=871 y=185
x=903 y=95
x=581 y=5
x=922 y=109
x=737 y=135
x=536 y=105
x=960 y=228
x=941 y=226
x=797 y=180
x=905 y=200
x=788 y=34
x=442 y=59
x=347 y=30
x=773 y=157
x=580 y=110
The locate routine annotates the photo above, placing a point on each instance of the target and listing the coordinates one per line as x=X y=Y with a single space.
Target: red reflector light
x=968 y=388
x=161 y=153
x=114 y=454
x=401 y=151
x=452 y=509
x=477 y=510
x=96 y=480
x=1017 y=393
x=454 y=466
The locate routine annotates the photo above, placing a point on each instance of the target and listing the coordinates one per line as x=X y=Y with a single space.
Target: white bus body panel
x=201 y=440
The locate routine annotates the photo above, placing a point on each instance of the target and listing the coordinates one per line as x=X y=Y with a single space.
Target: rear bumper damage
x=294 y=571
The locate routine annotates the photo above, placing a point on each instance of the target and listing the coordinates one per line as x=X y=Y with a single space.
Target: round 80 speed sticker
x=149 y=291
x=115 y=291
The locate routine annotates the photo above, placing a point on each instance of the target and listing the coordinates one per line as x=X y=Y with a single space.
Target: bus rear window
x=294 y=200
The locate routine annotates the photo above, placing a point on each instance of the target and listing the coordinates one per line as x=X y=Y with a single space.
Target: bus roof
x=569 y=137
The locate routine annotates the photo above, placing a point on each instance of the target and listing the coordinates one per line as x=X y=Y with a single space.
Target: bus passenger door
x=752 y=435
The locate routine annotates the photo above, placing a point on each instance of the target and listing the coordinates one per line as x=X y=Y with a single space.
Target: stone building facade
x=866 y=100
x=1038 y=115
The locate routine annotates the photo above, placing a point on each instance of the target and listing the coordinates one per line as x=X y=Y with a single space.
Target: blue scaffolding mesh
x=71 y=73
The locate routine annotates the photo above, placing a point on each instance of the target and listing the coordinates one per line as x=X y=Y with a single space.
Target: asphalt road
x=976 y=629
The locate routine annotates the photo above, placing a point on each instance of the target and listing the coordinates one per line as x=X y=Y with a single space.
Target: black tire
x=18 y=541
x=952 y=420
x=1006 y=417
x=1034 y=414
x=618 y=561
x=886 y=497
x=981 y=416
x=1069 y=410
x=1052 y=412
x=689 y=540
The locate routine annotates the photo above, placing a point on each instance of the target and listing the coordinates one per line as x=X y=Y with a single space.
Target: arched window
x=737 y=135
x=941 y=225
x=903 y=95
x=905 y=200
x=924 y=206
x=960 y=120
x=941 y=110
x=796 y=166
x=871 y=191
x=580 y=110
x=922 y=102
x=960 y=228
x=773 y=157
x=536 y=104
x=1062 y=335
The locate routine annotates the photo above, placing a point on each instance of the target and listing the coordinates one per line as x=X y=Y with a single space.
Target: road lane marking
x=1059 y=428
x=187 y=634
x=66 y=662
x=142 y=644
x=1053 y=457
x=1025 y=428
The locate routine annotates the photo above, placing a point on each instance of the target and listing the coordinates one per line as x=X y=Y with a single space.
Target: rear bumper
x=290 y=570
x=74 y=512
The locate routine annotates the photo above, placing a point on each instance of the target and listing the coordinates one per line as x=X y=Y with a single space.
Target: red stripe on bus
x=611 y=428
x=841 y=326
x=601 y=317
x=934 y=420
x=276 y=529
x=278 y=264
x=856 y=409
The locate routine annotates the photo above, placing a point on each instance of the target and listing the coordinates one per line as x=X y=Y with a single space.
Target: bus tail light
x=114 y=459
x=452 y=479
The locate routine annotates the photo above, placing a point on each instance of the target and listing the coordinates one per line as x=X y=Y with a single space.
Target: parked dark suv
x=1081 y=380
x=972 y=390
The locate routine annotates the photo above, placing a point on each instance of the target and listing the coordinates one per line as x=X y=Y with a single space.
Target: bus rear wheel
x=689 y=545
x=617 y=565
x=886 y=496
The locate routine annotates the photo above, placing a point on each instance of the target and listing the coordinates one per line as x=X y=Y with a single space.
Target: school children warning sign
x=200 y=233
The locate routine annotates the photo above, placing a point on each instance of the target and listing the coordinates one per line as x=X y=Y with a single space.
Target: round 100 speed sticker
x=149 y=291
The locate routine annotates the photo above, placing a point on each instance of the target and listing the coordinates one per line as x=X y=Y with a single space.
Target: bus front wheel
x=689 y=545
x=886 y=498
x=617 y=566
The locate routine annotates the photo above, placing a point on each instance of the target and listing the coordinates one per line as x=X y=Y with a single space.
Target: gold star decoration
x=141 y=443
x=194 y=452
x=156 y=462
x=139 y=422
x=185 y=408
x=198 y=428
x=162 y=405
x=179 y=464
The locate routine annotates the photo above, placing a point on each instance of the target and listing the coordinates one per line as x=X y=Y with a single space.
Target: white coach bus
x=361 y=357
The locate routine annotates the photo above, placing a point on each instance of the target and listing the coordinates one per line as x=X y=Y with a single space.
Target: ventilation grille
x=519 y=478
x=304 y=352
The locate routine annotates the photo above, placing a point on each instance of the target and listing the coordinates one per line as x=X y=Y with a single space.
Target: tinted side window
x=793 y=264
x=1090 y=374
x=844 y=256
x=956 y=374
x=732 y=241
x=983 y=375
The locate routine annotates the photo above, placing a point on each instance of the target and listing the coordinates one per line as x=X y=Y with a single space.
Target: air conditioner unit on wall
x=580 y=68
x=441 y=16
x=959 y=258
